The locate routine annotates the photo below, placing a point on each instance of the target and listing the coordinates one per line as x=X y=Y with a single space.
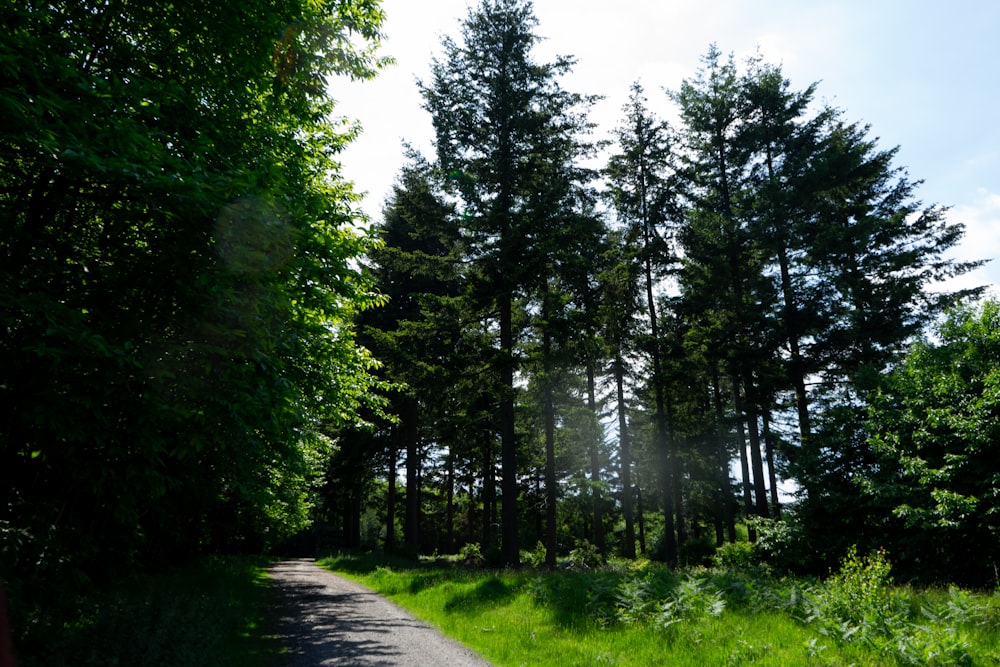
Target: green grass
x=214 y=613
x=647 y=615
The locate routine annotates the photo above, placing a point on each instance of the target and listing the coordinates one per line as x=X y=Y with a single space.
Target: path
x=329 y=620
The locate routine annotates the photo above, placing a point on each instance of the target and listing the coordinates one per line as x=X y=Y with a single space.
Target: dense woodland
x=625 y=345
x=549 y=341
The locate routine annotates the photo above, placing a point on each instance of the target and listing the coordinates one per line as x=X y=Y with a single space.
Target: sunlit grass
x=567 y=618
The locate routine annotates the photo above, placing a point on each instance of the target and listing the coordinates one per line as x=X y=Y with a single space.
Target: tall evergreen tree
x=414 y=270
x=724 y=271
x=644 y=198
x=502 y=125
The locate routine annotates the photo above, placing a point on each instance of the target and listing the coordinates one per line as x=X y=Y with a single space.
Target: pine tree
x=643 y=195
x=504 y=134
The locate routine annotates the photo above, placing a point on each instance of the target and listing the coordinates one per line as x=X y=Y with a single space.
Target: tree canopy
x=177 y=275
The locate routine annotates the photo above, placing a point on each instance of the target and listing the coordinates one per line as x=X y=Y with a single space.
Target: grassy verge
x=214 y=613
x=647 y=615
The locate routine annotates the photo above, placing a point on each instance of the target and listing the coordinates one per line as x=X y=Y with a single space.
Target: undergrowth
x=635 y=614
x=214 y=613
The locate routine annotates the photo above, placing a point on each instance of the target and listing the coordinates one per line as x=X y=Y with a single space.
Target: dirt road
x=329 y=620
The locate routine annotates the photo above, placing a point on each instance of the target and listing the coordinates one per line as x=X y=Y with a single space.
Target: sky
x=923 y=74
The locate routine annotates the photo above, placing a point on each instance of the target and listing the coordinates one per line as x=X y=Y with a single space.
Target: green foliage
x=735 y=555
x=857 y=596
x=934 y=430
x=535 y=558
x=471 y=553
x=177 y=278
x=583 y=555
x=697 y=551
x=858 y=604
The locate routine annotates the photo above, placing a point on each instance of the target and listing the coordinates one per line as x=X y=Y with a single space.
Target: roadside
x=329 y=620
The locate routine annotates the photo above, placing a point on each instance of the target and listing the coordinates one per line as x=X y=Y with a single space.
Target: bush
x=697 y=552
x=471 y=553
x=735 y=555
x=584 y=555
x=535 y=558
x=781 y=543
x=859 y=592
x=857 y=604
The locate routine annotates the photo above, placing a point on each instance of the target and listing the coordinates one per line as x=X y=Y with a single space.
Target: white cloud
x=981 y=218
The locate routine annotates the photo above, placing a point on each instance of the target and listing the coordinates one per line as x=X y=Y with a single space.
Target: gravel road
x=329 y=620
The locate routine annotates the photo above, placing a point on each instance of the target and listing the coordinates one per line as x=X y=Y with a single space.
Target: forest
x=725 y=329
x=722 y=329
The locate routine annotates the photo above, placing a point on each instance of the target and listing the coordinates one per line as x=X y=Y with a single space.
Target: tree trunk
x=411 y=531
x=551 y=535
x=744 y=461
x=674 y=466
x=663 y=446
x=550 y=481
x=595 y=464
x=725 y=500
x=625 y=460
x=771 y=472
x=510 y=549
x=756 y=456
x=641 y=516
x=489 y=498
x=450 y=508
x=390 y=501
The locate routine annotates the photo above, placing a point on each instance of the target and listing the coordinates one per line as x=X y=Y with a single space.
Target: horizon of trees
x=587 y=354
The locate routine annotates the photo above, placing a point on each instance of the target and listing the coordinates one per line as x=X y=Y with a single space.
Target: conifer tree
x=505 y=133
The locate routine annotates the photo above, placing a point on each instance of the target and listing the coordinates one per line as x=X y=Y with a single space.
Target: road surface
x=329 y=620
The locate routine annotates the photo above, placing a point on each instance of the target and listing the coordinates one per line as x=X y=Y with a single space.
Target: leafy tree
x=176 y=275
x=934 y=430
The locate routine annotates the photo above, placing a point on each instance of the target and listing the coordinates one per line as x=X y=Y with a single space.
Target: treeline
x=178 y=275
x=589 y=353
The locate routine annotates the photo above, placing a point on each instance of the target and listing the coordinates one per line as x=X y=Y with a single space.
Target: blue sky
x=925 y=75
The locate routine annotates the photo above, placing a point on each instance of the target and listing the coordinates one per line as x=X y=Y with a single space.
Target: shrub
x=535 y=558
x=859 y=592
x=697 y=552
x=735 y=555
x=584 y=555
x=781 y=543
x=471 y=553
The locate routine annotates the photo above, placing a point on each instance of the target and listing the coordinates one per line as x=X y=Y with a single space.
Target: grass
x=213 y=613
x=646 y=615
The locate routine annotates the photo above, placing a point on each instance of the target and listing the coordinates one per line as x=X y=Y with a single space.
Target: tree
x=722 y=277
x=414 y=270
x=176 y=275
x=935 y=433
x=497 y=116
x=618 y=312
x=644 y=198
